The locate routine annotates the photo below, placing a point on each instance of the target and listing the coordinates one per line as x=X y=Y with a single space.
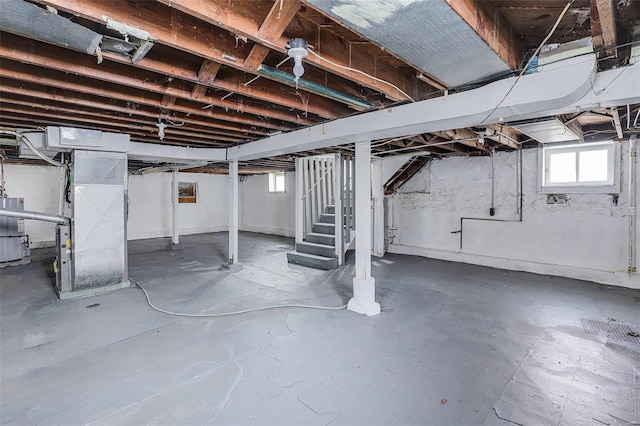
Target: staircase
x=318 y=248
x=323 y=183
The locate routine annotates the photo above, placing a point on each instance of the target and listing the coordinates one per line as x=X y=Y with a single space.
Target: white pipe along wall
x=587 y=238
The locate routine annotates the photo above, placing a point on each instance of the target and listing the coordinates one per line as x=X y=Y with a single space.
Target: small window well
x=276 y=182
x=585 y=167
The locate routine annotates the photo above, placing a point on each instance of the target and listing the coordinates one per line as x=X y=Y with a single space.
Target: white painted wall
x=40 y=188
x=150 y=205
x=265 y=212
x=586 y=239
x=149 y=208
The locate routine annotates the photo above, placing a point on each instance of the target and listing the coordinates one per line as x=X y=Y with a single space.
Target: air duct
x=26 y=19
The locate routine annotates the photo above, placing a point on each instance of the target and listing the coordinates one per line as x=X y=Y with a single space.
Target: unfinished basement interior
x=314 y=212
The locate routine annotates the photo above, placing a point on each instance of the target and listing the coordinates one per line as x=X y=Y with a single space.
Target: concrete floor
x=455 y=345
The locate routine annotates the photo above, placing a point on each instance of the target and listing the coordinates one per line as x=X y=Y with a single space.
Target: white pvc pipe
x=632 y=204
x=34 y=216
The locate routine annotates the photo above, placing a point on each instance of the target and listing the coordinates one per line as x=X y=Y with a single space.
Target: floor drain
x=610 y=330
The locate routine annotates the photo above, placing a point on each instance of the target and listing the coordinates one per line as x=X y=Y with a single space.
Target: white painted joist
x=566 y=86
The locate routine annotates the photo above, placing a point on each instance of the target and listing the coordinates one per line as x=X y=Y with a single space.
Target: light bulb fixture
x=161 y=127
x=298 y=51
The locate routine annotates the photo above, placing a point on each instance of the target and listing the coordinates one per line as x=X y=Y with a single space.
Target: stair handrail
x=315 y=184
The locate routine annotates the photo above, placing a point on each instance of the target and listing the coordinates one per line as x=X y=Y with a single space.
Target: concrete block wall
x=587 y=238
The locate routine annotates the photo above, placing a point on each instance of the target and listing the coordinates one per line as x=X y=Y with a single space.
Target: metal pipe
x=35 y=216
x=632 y=204
x=314 y=87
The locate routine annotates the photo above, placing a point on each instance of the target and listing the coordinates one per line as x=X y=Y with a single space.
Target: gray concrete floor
x=455 y=345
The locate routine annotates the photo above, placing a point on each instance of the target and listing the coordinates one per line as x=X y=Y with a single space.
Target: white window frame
x=272 y=183
x=611 y=186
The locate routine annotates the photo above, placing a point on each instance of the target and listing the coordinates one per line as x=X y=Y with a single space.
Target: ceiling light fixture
x=298 y=51
x=161 y=125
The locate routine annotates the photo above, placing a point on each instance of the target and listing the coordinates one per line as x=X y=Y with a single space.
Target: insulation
x=427 y=33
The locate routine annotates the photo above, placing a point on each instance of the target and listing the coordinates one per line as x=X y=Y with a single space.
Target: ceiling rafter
x=26 y=94
x=487 y=21
x=188 y=34
x=321 y=106
x=34 y=74
x=206 y=76
x=61 y=59
x=219 y=14
x=281 y=14
x=603 y=28
x=58 y=112
x=50 y=94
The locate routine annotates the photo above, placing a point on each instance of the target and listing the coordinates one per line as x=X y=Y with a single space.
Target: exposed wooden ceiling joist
x=492 y=27
x=603 y=28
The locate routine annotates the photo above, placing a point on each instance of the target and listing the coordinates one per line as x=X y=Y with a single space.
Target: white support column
x=299 y=200
x=175 y=238
x=175 y=222
x=233 y=211
x=377 y=193
x=364 y=285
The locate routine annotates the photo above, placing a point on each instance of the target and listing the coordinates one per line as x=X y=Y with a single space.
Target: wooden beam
x=13 y=105
x=263 y=89
x=404 y=174
x=487 y=21
x=36 y=75
x=464 y=137
x=504 y=135
x=82 y=122
x=52 y=57
x=50 y=95
x=206 y=76
x=168 y=100
x=189 y=35
x=603 y=28
x=123 y=125
x=217 y=12
x=281 y=14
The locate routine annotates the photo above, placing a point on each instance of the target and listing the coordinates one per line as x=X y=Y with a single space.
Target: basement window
x=276 y=182
x=576 y=168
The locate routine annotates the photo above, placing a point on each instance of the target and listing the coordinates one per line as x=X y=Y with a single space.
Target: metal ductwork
x=34 y=216
x=26 y=19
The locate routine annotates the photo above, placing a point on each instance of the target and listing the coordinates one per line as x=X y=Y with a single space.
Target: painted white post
x=233 y=211
x=377 y=192
x=364 y=285
x=337 y=205
x=175 y=238
x=299 y=200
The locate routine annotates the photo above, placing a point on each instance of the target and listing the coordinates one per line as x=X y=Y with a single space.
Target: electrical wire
x=535 y=53
x=31 y=147
x=363 y=73
x=226 y=314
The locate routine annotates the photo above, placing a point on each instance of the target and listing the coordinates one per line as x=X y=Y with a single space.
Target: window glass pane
x=280 y=182
x=276 y=182
x=562 y=168
x=593 y=166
